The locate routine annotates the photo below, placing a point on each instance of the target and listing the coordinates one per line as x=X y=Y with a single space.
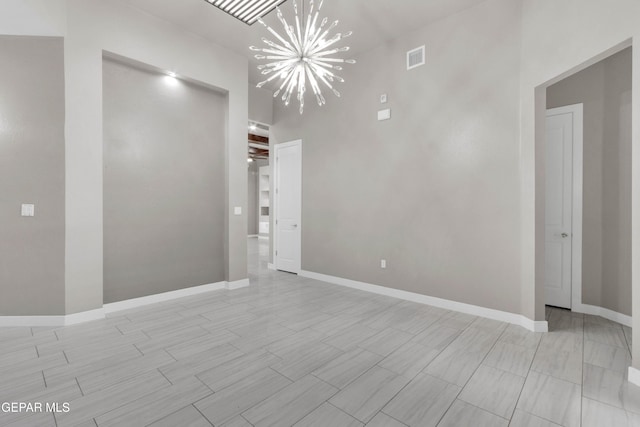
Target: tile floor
x=290 y=351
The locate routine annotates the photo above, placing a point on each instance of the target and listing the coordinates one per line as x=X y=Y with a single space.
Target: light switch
x=384 y=114
x=237 y=210
x=383 y=98
x=28 y=210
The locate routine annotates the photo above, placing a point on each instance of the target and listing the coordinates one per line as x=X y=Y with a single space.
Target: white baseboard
x=271 y=267
x=263 y=237
x=238 y=284
x=52 y=321
x=27 y=321
x=634 y=376
x=614 y=316
x=503 y=316
x=165 y=296
x=87 y=316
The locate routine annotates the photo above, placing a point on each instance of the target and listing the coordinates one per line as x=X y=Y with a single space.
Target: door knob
x=564 y=235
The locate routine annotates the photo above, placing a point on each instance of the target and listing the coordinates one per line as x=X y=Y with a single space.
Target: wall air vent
x=415 y=58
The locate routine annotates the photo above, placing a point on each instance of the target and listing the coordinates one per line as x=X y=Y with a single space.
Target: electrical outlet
x=383 y=263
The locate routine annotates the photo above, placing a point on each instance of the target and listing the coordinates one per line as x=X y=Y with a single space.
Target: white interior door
x=288 y=212
x=558 y=213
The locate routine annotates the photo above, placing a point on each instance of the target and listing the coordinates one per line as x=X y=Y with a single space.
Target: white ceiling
x=372 y=21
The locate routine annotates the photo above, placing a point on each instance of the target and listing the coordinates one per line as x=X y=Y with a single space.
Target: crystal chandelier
x=304 y=54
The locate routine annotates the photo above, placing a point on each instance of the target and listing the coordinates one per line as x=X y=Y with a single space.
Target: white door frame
x=274 y=234
x=576 y=205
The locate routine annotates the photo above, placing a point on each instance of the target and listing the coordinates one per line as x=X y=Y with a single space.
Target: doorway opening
x=587 y=193
x=258 y=206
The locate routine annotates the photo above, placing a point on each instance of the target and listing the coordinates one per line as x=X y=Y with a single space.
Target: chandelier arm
x=272 y=31
x=315 y=39
x=328 y=69
x=286 y=97
x=329 y=74
x=276 y=52
x=313 y=34
x=330 y=52
x=333 y=40
x=300 y=83
x=314 y=85
x=270 y=79
x=307 y=27
x=331 y=27
x=298 y=27
x=277 y=46
x=276 y=57
x=320 y=74
x=337 y=60
x=278 y=65
x=288 y=29
x=284 y=82
x=296 y=43
x=302 y=86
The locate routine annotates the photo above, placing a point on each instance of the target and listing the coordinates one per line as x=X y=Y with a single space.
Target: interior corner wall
x=163 y=182
x=434 y=190
x=605 y=91
x=260 y=105
x=33 y=17
x=32 y=172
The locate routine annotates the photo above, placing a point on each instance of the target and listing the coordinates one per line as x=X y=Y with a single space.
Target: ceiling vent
x=415 y=58
x=248 y=11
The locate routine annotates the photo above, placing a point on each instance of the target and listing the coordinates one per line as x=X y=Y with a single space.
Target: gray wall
x=260 y=105
x=32 y=171
x=605 y=91
x=254 y=195
x=252 y=199
x=434 y=190
x=163 y=183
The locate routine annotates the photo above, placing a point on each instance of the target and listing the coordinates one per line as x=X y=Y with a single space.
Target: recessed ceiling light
x=248 y=11
x=170 y=80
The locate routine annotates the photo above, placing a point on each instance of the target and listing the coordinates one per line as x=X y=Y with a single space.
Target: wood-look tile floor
x=290 y=351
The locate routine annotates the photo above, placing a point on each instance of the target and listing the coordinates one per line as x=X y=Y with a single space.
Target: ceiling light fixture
x=304 y=54
x=247 y=11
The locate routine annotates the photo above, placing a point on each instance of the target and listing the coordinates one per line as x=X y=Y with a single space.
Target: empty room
x=330 y=213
